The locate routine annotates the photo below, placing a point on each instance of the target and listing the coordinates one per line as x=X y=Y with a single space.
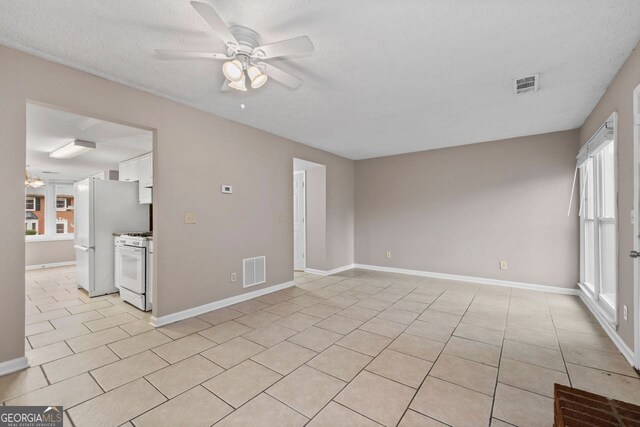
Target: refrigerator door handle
x=82 y=248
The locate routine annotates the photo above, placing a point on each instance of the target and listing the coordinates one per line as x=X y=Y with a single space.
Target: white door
x=299 y=221
x=636 y=225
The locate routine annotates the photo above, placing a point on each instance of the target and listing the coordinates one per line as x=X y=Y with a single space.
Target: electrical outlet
x=503 y=265
x=624 y=312
x=388 y=254
x=234 y=277
x=190 y=218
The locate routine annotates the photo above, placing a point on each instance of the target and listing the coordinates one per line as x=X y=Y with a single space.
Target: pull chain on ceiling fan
x=245 y=56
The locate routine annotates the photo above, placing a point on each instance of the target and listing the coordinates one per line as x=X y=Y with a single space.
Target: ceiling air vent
x=526 y=84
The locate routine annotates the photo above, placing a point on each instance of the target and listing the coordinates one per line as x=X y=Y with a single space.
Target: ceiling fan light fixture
x=37 y=183
x=239 y=85
x=232 y=70
x=257 y=77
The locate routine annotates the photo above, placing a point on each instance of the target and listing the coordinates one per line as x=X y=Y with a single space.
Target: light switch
x=226 y=189
x=190 y=218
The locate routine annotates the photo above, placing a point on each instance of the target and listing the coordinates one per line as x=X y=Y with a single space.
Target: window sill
x=44 y=238
x=607 y=312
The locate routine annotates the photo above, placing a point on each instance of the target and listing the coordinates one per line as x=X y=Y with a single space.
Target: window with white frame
x=49 y=212
x=598 y=225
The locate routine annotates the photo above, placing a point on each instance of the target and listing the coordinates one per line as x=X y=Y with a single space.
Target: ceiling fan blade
x=216 y=23
x=293 y=46
x=279 y=75
x=183 y=54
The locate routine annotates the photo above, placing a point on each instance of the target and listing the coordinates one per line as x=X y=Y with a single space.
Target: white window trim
x=605 y=309
x=45 y=238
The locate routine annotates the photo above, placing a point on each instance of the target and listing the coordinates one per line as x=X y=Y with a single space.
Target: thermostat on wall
x=227 y=189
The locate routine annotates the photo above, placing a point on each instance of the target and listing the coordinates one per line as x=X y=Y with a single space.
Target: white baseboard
x=471 y=279
x=196 y=311
x=13 y=365
x=50 y=265
x=329 y=272
x=608 y=328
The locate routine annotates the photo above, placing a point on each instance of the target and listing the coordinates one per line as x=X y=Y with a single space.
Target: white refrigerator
x=101 y=209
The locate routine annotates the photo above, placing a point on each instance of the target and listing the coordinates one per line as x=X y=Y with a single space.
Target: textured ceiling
x=49 y=129
x=387 y=77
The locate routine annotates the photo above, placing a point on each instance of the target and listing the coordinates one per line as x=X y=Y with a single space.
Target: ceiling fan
x=245 y=56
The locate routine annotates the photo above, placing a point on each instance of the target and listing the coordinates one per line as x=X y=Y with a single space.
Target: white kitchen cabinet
x=129 y=170
x=145 y=170
x=139 y=169
x=145 y=196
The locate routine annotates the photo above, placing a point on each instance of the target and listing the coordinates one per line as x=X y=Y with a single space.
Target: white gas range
x=134 y=268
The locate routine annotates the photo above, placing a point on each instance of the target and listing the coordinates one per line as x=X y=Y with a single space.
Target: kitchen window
x=598 y=220
x=64 y=209
x=49 y=213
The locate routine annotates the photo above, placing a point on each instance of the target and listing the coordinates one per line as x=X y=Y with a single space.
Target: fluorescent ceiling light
x=73 y=149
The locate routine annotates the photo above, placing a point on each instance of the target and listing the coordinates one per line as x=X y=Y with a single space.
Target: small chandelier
x=32 y=181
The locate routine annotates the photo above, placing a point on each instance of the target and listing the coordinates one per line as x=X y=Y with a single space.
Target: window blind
x=603 y=135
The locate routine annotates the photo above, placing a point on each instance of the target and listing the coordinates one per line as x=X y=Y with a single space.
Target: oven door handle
x=130 y=249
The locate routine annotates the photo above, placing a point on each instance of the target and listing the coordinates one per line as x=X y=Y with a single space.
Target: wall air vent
x=526 y=84
x=254 y=271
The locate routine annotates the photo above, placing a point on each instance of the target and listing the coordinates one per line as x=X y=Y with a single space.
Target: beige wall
x=316 y=217
x=619 y=97
x=461 y=210
x=195 y=153
x=39 y=253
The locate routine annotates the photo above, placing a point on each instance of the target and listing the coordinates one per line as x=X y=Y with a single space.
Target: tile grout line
x=437 y=358
x=310 y=291
x=347 y=383
x=555 y=333
x=495 y=387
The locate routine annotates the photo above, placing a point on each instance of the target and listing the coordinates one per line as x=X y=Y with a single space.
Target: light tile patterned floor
x=359 y=348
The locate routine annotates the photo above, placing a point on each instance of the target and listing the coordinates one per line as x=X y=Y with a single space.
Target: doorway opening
x=86 y=180
x=309 y=216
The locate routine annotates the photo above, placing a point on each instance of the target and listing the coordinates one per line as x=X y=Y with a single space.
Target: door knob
x=634 y=254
